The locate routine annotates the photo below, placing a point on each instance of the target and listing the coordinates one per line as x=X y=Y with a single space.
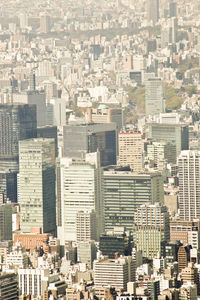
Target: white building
x=56 y=112
x=33 y=281
x=154 y=97
x=189 y=184
x=80 y=190
x=17 y=258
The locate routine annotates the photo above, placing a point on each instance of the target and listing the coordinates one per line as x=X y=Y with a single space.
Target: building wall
x=124 y=192
x=37 y=185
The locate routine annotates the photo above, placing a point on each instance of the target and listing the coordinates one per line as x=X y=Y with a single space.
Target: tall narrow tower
x=189 y=185
x=153 y=11
x=37 y=185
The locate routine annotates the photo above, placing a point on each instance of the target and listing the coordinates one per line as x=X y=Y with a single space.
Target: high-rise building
x=116 y=241
x=151 y=229
x=45 y=24
x=153 y=11
x=105 y=272
x=124 y=191
x=80 y=190
x=5 y=222
x=185 y=231
x=172 y=9
x=104 y=114
x=56 y=112
x=190 y=274
x=37 y=185
x=86 y=252
x=36 y=98
x=131 y=149
x=176 y=134
x=8 y=186
x=87 y=138
x=17 y=122
x=8 y=286
x=154 y=96
x=86 y=226
x=189 y=185
x=183 y=257
x=159 y=152
x=49 y=132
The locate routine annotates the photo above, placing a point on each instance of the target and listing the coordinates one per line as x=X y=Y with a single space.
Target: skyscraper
x=17 y=122
x=87 y=138
x=151 y=228
x=5 y=222
x=37 y=185
x=131 y=148
x=80 y=190
x=124 y=191
x=176 y=134
x=153 y=11
x=154 y=96
x=189 y=185
x=45 y=23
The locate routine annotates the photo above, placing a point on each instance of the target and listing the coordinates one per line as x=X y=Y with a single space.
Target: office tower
x=87 y=252
x=154 y=96
x=8 y=186
x=86 y=226
x=80 y=190
x=184 y=230
x=37 y=185
x=32 y=82
x=45 y=70
x=56 y=112
x=183 y=257
x=45 y=24
x=23 y=20
x=153 y=11
x=87 y=138
x=116 y=241
x=124 y=191
x=5 y=222
x=49 y=132
x=159 y=152
x=105 y=114
x=8 y=286
x=131 y=149
x=189 y=183
x=172 y=9
x=50 y=89
x=17 y=122
x=173 y=30
x=176 y=134
x=105 y=271
x=33 y=97
x=151 y=229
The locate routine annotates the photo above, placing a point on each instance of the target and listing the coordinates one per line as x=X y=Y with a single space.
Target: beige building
x=131 y=148
x=86 y=226
x=114 y=272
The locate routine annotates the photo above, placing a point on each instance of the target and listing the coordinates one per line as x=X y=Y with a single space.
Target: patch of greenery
x=188 y=64
x=137 y=95
x=173 y=100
